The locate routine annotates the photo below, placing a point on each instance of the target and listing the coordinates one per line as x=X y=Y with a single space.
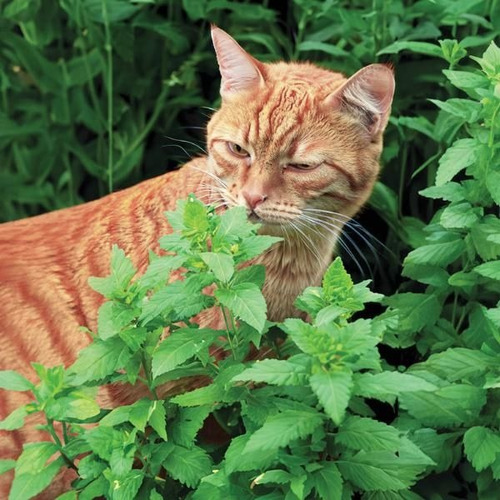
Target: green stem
x=109 y=91
x=56 y=439
x=228 y=330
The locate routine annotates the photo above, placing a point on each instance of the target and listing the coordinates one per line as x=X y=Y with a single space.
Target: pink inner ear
x=368 y=93
x=239 y=70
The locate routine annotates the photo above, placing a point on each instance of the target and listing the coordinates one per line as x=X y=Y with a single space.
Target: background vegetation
x=97 y=95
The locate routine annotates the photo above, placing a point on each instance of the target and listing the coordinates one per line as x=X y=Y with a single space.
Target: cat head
x=293 y=142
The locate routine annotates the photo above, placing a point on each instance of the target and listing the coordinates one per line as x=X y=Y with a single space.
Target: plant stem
x=109 y=91
x=56 y=439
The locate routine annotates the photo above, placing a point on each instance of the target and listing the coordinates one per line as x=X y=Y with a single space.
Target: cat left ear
x=368 y=95
x=238 y=69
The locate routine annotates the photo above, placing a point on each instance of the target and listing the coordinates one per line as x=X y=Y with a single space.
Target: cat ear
x=368 y=95
x=239 y=70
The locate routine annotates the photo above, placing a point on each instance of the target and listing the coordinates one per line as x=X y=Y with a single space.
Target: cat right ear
x=367 y=95
x=238 y=69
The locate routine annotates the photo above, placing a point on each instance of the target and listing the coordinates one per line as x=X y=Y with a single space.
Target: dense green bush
x=399 y=400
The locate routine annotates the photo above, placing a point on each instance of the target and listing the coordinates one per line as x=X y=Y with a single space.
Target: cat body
x=297 y=145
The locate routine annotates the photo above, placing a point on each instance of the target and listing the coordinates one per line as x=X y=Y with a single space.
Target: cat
x=295 y=144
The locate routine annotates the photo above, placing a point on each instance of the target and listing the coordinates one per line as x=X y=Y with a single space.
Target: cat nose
x=253 y=198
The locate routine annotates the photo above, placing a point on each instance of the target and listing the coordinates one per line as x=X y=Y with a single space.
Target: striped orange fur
x=297 y=145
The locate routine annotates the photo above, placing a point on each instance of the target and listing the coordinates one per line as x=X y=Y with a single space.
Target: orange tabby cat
x=297 y=145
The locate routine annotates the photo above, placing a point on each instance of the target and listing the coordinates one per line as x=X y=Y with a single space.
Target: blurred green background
x=97 y=95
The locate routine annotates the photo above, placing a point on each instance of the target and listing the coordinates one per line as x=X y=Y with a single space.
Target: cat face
x=293 y=142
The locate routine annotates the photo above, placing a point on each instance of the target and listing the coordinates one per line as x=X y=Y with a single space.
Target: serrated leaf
x=453 y=405
x=465 y=79
x=13 y=381
x=489 y=269
x=274 y=371
x=459 y=216
x=482 y=446
x=180 y=299
x=384 y=470
x=426 y=48
x=461 y=154
x=112 y=318
x=279 y=430
x=360 y=433
x=333 y=390
x=222 y=265
x=437 y=254
x=195 y=216
x=466 y=109
x=187 y=423
x=180 y=346
x=159 y=270
x=415 y=310
x=255 y=245
x=336 y=284
x=387 y=385
x=158 y=419
x=236 y=459
x=234 y=224
x=122 y=271
x=188 y=465
x=98 y=360
x=29 y=484
x=15 y=420
x=246 y=302
x=252 y=274
x=199 y=397
x=328 y=481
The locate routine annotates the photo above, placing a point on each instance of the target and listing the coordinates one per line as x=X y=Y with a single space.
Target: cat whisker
x=306 y=239
x=338 y=234
x=203 y=150
x=180 y=147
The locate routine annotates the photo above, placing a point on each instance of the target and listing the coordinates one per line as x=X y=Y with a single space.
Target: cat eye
x=301 y=166
x=237 y=150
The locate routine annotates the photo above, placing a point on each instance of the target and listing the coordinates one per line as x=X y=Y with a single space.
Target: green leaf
x=220 y=264
x=437 y=254
x=29 y=484
x=112 y=318
x=199 y=397
x=453 y=405
x=246 y=302
x=159 y=270
x=460 y=215
x=384 y=470
x=15 y=420
x=180 y=346
x=415 y=310
x=482 y=446
x=466 y=80
x=98 y=360
x=180 y=299
x=426 y=48
x=493 y=185
x=327 y=48
x=489 y=269
x=33 y=474
x=188 y=465
x=461 y=154
x=13 y=381
x=254 y=245
x=328 y=481
x=466 y=109
x=158 y=419
x=386 y=384
x=333 y=390
x=360 y=433
x=234 y=224
x=122 y=271
x=279 y=430
x=195 y=217
x=237 y=458
x=187 y=423
x=274 y=371
x=252 y=274
x=6 y=465
x=77 y=405
x=337 y=284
